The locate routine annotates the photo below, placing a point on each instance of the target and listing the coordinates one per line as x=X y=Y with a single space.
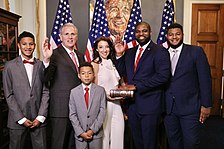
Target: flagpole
x=37 y=29
x=175 y=17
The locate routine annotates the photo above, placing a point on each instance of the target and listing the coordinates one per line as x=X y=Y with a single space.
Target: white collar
x=30 y=60
x=68 y=50
x=177 y=49
x=84 y=86
x=145 y=46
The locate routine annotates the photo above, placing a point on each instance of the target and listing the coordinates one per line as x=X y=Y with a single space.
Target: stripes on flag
x=135 y=18
x=167 y=19
x=100 y=26
x=63 y=16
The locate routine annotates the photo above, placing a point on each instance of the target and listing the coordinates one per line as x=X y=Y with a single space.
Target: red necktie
x=86 y=96
x=28 y=62
x=138 y=58
x=74 y=60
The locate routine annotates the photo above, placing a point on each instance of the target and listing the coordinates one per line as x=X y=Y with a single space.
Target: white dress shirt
x=29 y=71
x=144 y=47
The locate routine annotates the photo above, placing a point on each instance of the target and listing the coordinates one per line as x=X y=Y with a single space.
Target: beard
x=175 y=46
x=142 y=43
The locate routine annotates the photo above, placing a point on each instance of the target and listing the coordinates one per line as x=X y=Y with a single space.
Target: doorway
x=207 y=31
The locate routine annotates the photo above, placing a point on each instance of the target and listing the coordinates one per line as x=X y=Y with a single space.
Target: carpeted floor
x=212 y=135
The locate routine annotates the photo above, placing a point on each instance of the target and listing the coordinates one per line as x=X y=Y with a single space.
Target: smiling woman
x=106 y=75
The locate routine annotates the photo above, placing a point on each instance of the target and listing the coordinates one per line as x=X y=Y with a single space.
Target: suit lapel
x=35 y=71
x=91 y=97
x=82 y=98
x=132 y=60
x=180 y=61
x=79 y=56
x=144 y=55
x=23 y=70
x=67 y=58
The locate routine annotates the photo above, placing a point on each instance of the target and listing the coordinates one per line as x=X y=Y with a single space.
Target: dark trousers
x=144 y=129
x=183 y=132
x=62 y=134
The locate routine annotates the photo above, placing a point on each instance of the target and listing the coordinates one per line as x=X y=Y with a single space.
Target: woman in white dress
x=106 y=75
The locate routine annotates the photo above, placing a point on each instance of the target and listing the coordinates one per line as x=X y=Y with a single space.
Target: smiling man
x=147 y=70
x=118 y=14
x=188 y=96
x=26 y=96
x=61 y=71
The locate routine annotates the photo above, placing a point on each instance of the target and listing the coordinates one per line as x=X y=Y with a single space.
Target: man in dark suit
x=148 y=69
x=26 y=96
x=188 y=96
x=62 y=73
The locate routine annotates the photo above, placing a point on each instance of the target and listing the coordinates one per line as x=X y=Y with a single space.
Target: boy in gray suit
x=87 y=109
x=26 y=96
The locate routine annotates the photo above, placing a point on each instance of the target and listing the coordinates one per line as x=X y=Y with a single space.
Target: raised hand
x=119 y=46
x=47 y=50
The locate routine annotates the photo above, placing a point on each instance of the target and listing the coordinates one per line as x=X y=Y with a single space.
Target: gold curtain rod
x=175 y=17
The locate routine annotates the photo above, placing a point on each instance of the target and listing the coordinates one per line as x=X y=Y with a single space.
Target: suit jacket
x=22 y=99
x=152 y=72
x=120 y=66
x=63 y=76
x=191 y=86
x=83 y=119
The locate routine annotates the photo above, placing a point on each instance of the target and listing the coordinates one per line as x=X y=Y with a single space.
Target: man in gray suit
x=87 y=110
x=26 y=96
x=62 y=74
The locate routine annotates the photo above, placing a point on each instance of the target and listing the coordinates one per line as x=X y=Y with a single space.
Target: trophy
x=121 y=93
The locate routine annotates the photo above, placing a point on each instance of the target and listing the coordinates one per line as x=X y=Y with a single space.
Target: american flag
x=63 y=16
x=100 y=26
x=167 y=19
x=134 y=19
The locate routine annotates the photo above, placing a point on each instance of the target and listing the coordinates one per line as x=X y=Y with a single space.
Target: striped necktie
x=138 y=58
x=74 y=60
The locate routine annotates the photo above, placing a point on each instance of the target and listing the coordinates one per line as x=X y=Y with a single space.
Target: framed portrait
x=118 y=14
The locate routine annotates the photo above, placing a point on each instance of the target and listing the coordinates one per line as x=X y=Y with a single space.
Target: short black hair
x=25 y=34
x=86 y=64
x=144 y=23
x=175 y=25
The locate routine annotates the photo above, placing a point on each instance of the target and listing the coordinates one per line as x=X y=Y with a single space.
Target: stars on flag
x=99 y=27
x=135 y=18
x=63 y=16
x=167 y=19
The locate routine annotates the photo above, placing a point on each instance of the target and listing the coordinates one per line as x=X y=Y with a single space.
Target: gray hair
x=68 y=25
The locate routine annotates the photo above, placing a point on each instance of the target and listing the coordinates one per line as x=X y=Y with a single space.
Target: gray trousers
x=37 y=135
